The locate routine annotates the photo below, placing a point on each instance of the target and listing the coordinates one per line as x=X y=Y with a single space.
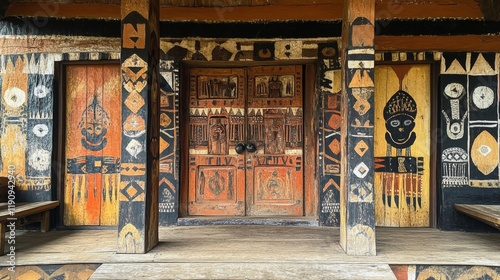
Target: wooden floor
x=255 y=252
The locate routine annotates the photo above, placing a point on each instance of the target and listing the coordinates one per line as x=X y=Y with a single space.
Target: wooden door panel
x=93 y=139
x=402 y=145
x=275 y=126
x=216 y=126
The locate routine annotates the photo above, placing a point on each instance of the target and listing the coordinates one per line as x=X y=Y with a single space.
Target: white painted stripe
x=356 y=64
x=361 y=51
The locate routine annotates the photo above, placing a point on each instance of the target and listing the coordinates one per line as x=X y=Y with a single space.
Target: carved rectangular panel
x=217 y=87
x=216 y=184
x=216 y=125
x=274 y=184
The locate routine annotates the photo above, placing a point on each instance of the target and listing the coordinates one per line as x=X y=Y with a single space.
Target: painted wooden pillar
x=138 y=214
x=357 y=211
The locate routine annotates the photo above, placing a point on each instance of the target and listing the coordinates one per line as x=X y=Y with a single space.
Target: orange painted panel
x=216 y=126
x=268 y=114
x=111 y=98
x=93 y=144
x=275 y=127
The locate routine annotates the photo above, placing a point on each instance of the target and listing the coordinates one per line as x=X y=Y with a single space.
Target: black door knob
x=240 y=148
x=251 y=147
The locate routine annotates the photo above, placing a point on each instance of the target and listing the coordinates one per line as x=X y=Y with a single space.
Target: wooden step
x=247 y=220
x=248 y=270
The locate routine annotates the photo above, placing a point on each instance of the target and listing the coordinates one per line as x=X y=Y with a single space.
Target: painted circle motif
x=454 y=90
x=40 y=130
x=14 y=97
x=40 y=91
x=40 y=160
x=483 y=97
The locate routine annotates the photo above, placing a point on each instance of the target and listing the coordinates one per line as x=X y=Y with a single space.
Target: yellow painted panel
x=402 y=145
x=14 y=98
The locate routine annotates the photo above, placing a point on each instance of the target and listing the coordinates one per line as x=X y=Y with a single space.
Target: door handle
x=251 y=147
x=240 y=148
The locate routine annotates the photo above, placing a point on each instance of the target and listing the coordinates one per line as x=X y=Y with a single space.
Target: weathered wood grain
x=22 y=210
x=263 y=10
x=358 y=59
x=259 y=244
x=236 y=270
x=403 y=198
x=138 y=206
x=489 y=214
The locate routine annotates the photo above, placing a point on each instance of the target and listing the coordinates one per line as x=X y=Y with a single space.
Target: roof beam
x=293 y=10
x=478 y=43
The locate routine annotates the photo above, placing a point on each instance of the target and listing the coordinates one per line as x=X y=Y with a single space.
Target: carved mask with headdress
x=399 y=114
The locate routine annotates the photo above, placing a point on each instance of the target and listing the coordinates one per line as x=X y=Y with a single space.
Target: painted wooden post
x=138 y=214
x=357 y=211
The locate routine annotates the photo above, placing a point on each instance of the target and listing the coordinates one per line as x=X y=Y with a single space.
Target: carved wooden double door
x=246 y=141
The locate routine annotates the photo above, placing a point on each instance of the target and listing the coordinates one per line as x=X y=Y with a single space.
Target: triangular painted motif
x=361 y=79
x=482 y=66
x=454 y=63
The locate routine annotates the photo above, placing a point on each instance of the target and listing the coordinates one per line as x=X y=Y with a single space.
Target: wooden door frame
x=59 y=139
x=310 y=109
x=434 y=132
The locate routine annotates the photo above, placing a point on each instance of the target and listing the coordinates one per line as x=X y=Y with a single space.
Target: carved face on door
x=399 y=115
x=93 y=126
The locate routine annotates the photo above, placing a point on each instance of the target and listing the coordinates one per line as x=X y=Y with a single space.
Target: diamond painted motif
x=361 y=148
x=134 y=102
x=484 y=150
x=335 y=146
x=133 y=190
x=361 y=170
x=134 y=148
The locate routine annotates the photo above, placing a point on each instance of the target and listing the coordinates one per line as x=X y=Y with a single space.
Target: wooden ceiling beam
x=428 y=9
x=467 y=43
x=294 y=10
x=490 y=9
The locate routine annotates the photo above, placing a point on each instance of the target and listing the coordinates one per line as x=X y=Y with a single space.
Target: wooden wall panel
x=33 y=120
x=469 y=146
x=39 y=130
x=402 y=145
x=15 y=113
x=93 y=145
x=169 y=143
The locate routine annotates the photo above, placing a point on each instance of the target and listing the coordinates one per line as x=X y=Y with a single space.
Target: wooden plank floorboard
x=259 y=244
x=276 y=271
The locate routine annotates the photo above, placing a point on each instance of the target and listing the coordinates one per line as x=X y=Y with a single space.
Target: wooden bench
x=23 y=210
x=489 y=214
x=21 y=213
